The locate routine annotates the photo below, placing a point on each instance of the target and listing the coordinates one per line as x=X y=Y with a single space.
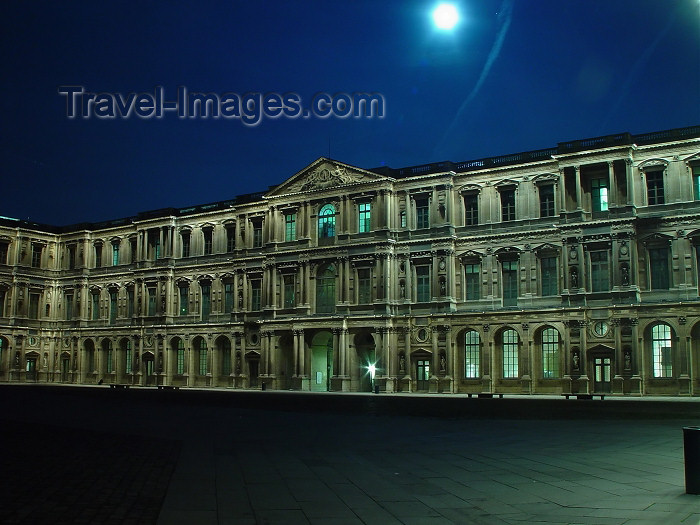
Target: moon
x=445 y=16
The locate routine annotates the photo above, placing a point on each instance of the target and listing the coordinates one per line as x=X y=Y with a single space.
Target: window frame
x=549 y=343
x=472 y=355
x=658 y=265
x=547 y=200
x=364 y=217
x=661 y=356
x=472 y=280
x=596 y=266
x=422 y=213
x=423 y=283
x=507 y=196
x=600 y=200
x=326 y=221
x=552 y=279
x=471 y=209
x=509 y=281
x=290 y=227
x=509 y=353
x=655 y=187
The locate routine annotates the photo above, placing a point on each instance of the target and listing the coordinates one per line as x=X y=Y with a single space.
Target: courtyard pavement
x=95 y=455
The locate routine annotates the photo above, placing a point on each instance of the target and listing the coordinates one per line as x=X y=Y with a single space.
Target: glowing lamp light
x=445 y=16
x=372 y=370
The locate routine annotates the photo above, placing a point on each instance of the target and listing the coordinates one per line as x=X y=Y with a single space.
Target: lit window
x=472 y=281
x=510 y=354
x=402 y=219
x=661 y=345
x=600 y=274
x=599 y=194
x=364 y=216
x=548 y=276
x=507 y=205
x=546 y=201
x=550 y=353
x=290 y=227
x=115 y=253
x=658 y=264
x=471 y=355
x=655 y=187
x=326 y=221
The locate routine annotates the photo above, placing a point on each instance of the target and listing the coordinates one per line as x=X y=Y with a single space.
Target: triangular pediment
x=322 y=174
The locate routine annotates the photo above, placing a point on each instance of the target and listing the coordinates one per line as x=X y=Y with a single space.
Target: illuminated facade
x=569 y=269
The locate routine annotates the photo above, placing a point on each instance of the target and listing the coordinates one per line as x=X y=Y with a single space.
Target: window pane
x=326 y=221
x=423 y=294
x=364 y=216
x=256 y=294
x=206 y=302
x=655 y=187
x=422 y=214
x=471 y=210
x=290 y=227
x=325 y=290
x=471 y=355
x=289 y=292
x=203 y=358
x=510 y=354
x=510 y=283
x=600 y=275
x=548 y=274
x=661 y=350
x=472 y=279
x=507 y=205
x=228 y=297
x=184 y=300
x=115 y=255
x=696 y=183
x=658 y=264
x=546 y=201
x=550 y=353
x=599 y=194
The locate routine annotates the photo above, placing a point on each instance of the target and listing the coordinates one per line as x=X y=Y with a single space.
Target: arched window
x=180 y=357
x=471 y=354
x=202 y=357
x=326 y=221
x=510 y=354
x=128 y=356
x=550 y=353
x=325 y=289
x=661 y=350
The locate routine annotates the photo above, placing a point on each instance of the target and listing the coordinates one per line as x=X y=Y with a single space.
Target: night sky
x=512 y=76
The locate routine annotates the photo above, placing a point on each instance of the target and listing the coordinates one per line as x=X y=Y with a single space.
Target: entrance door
x=602 y=375
x=422 y=374
x=253 y=369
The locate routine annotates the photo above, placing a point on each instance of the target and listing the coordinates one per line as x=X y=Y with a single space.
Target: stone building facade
x=568 y=269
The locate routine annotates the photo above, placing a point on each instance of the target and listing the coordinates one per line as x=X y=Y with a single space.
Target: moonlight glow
x=445 y=16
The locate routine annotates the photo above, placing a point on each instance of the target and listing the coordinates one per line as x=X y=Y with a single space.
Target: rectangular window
x=402 y=219
x=696 y=183
x=257 y=235
x=180 y=359
x=3 y=252
x=289 y=295
x=113 y=307
x=510 y=283
x=255 y=295
x=422 y=214
x=36 y=255
x=115 y=254
x=473 y=281
x=364 y=216
x=228 y=298
x=71 y=257
x=230 y=239
x=130 y=302
x=151 y=301
x=185 y=243
x=550 y=353
x=507 y=205
x=471 y=355
x=98 y=255
x=154 y=242
x=661 y=345
x=208 y=241
x=599 y=194
x=471 y=210
x=546 y=201
x=658 y=266
x=600 y=274
x=206 y=302
x=655 y=187
x=95 y=306
x=548 y=276
x=290 y=227
x=133 y=249
x=69 y=307
x=423 y=293
x=510 y=354
x=184 y=300
x=364 y=286
x=34 y=306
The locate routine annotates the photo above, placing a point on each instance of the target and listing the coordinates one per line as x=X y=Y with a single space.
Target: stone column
x=191 y=370
x=613 y=199
x=579 y=204
x=214 y=362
